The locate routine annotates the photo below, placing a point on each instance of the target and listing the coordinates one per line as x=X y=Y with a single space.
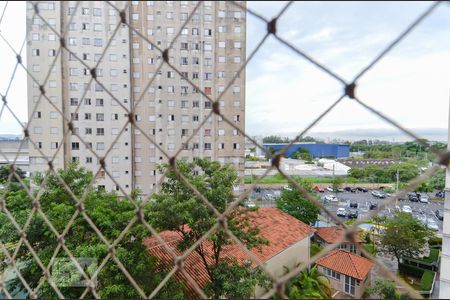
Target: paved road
x=268 y=197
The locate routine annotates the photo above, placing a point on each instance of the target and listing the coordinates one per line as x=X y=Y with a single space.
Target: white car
x=432 y=225
x=330 y=189
x=341 y=212
x=406 y=209
x=423 y=199
x=422 y=218
x=330 y=198
x=286 y=187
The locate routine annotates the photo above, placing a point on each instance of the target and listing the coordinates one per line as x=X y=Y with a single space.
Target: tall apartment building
x=209 y=51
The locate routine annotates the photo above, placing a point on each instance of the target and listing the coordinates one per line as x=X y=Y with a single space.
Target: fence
x=349 y=89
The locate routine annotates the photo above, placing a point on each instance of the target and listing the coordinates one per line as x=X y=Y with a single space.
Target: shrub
x=411 y=270
x=435 y=241
x=427 y=280
x=315 y=248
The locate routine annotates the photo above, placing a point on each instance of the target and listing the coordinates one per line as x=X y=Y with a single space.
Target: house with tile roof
x=349 y=273
x=334 y=234
x=289 y=243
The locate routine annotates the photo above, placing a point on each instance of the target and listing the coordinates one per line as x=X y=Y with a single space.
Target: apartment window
x=235 y=132
x=135 y=17
x=97 y=12
x=98 y=42
x=100 y=146
x=237 y=118
x=221 y=146
x=51 y=52
x=37 y=114
x=207 y=132
x=36 y=68
x=221 y=44
x=170 y=30
x=208 y=76
x=35 y=52
x=184 y=104
x=221 y=132
x=74 y=116
x=207 y=18
x=237 y=45
x=207 y=47
x=85 y=11
x=195 y=104
x=100 y=117
x=184 y=31
x=98 y=27
x=73 y=101
x=53 y=115
x=221 y=14
x=208 y=32
x=184 y=61
x=195 y=75
x=237 y=103
x=72 y=41
x=195 y=146
x=195 y=46
x=35 y=36
x=170 y=74
x=52 y=37
x=222 y=29
x=171 y=118
x=184 y=132
x=236 y=146
x=184 y=46
x=195 y=61
x=89 y=160
x=85 y=26
x=85 y=41
x=237 y=59
x=236 y=89
x=195 y=118
x=237 y=29
x=100 y=131
x=54 y=145
x=207 y=146
x=88 y=131
x=171 y=89
x=75 y=146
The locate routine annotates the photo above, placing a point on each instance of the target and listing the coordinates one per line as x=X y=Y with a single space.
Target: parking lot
x=267 y=197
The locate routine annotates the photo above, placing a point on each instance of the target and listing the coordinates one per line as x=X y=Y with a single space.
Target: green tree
x=309 y=284
x=294 y=203
x=176 y=208
x=303 y=154
x=275 y=139
x=385 y=289
x=108 y=212
x=5 y=171
x=337 y=183
x=405 y=236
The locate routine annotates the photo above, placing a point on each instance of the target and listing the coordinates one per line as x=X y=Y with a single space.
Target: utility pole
x=396 y=200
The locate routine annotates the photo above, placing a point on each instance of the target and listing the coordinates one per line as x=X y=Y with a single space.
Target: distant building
x=14 y=150
x=333 y=234
x=359 y=163
x=349 y=273
x=316 y=150
x=289 y=243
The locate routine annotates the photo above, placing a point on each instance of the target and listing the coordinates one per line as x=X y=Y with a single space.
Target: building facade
x=316 y=150
x=167 y=109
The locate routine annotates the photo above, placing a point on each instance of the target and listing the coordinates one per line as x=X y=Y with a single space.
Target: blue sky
x=285 y=93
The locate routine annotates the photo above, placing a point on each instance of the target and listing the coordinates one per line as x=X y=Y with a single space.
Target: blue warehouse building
x=316 y=150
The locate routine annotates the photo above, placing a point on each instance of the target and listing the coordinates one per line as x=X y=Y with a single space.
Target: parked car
x=378 y=194
x=361 y=189
x=250 y=204
x=257 y=189
x=347 y=189
x=440 y=194
x=330 y=198
x=432 y=225
x=354 y=204
x=423 y=199
x=340 y=190
x=341 y=212
x=439 y=214
x=319 y=189
x=422 y=218
x=407 y=209
x=287 y=187
x=353 y=190
x=373 y=205
x=413 y=197
x=353 y=214
x=330 y=189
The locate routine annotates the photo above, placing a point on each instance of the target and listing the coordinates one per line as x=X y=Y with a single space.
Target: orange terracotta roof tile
x=333 y=234
x=279 y=228
x=346 y=263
